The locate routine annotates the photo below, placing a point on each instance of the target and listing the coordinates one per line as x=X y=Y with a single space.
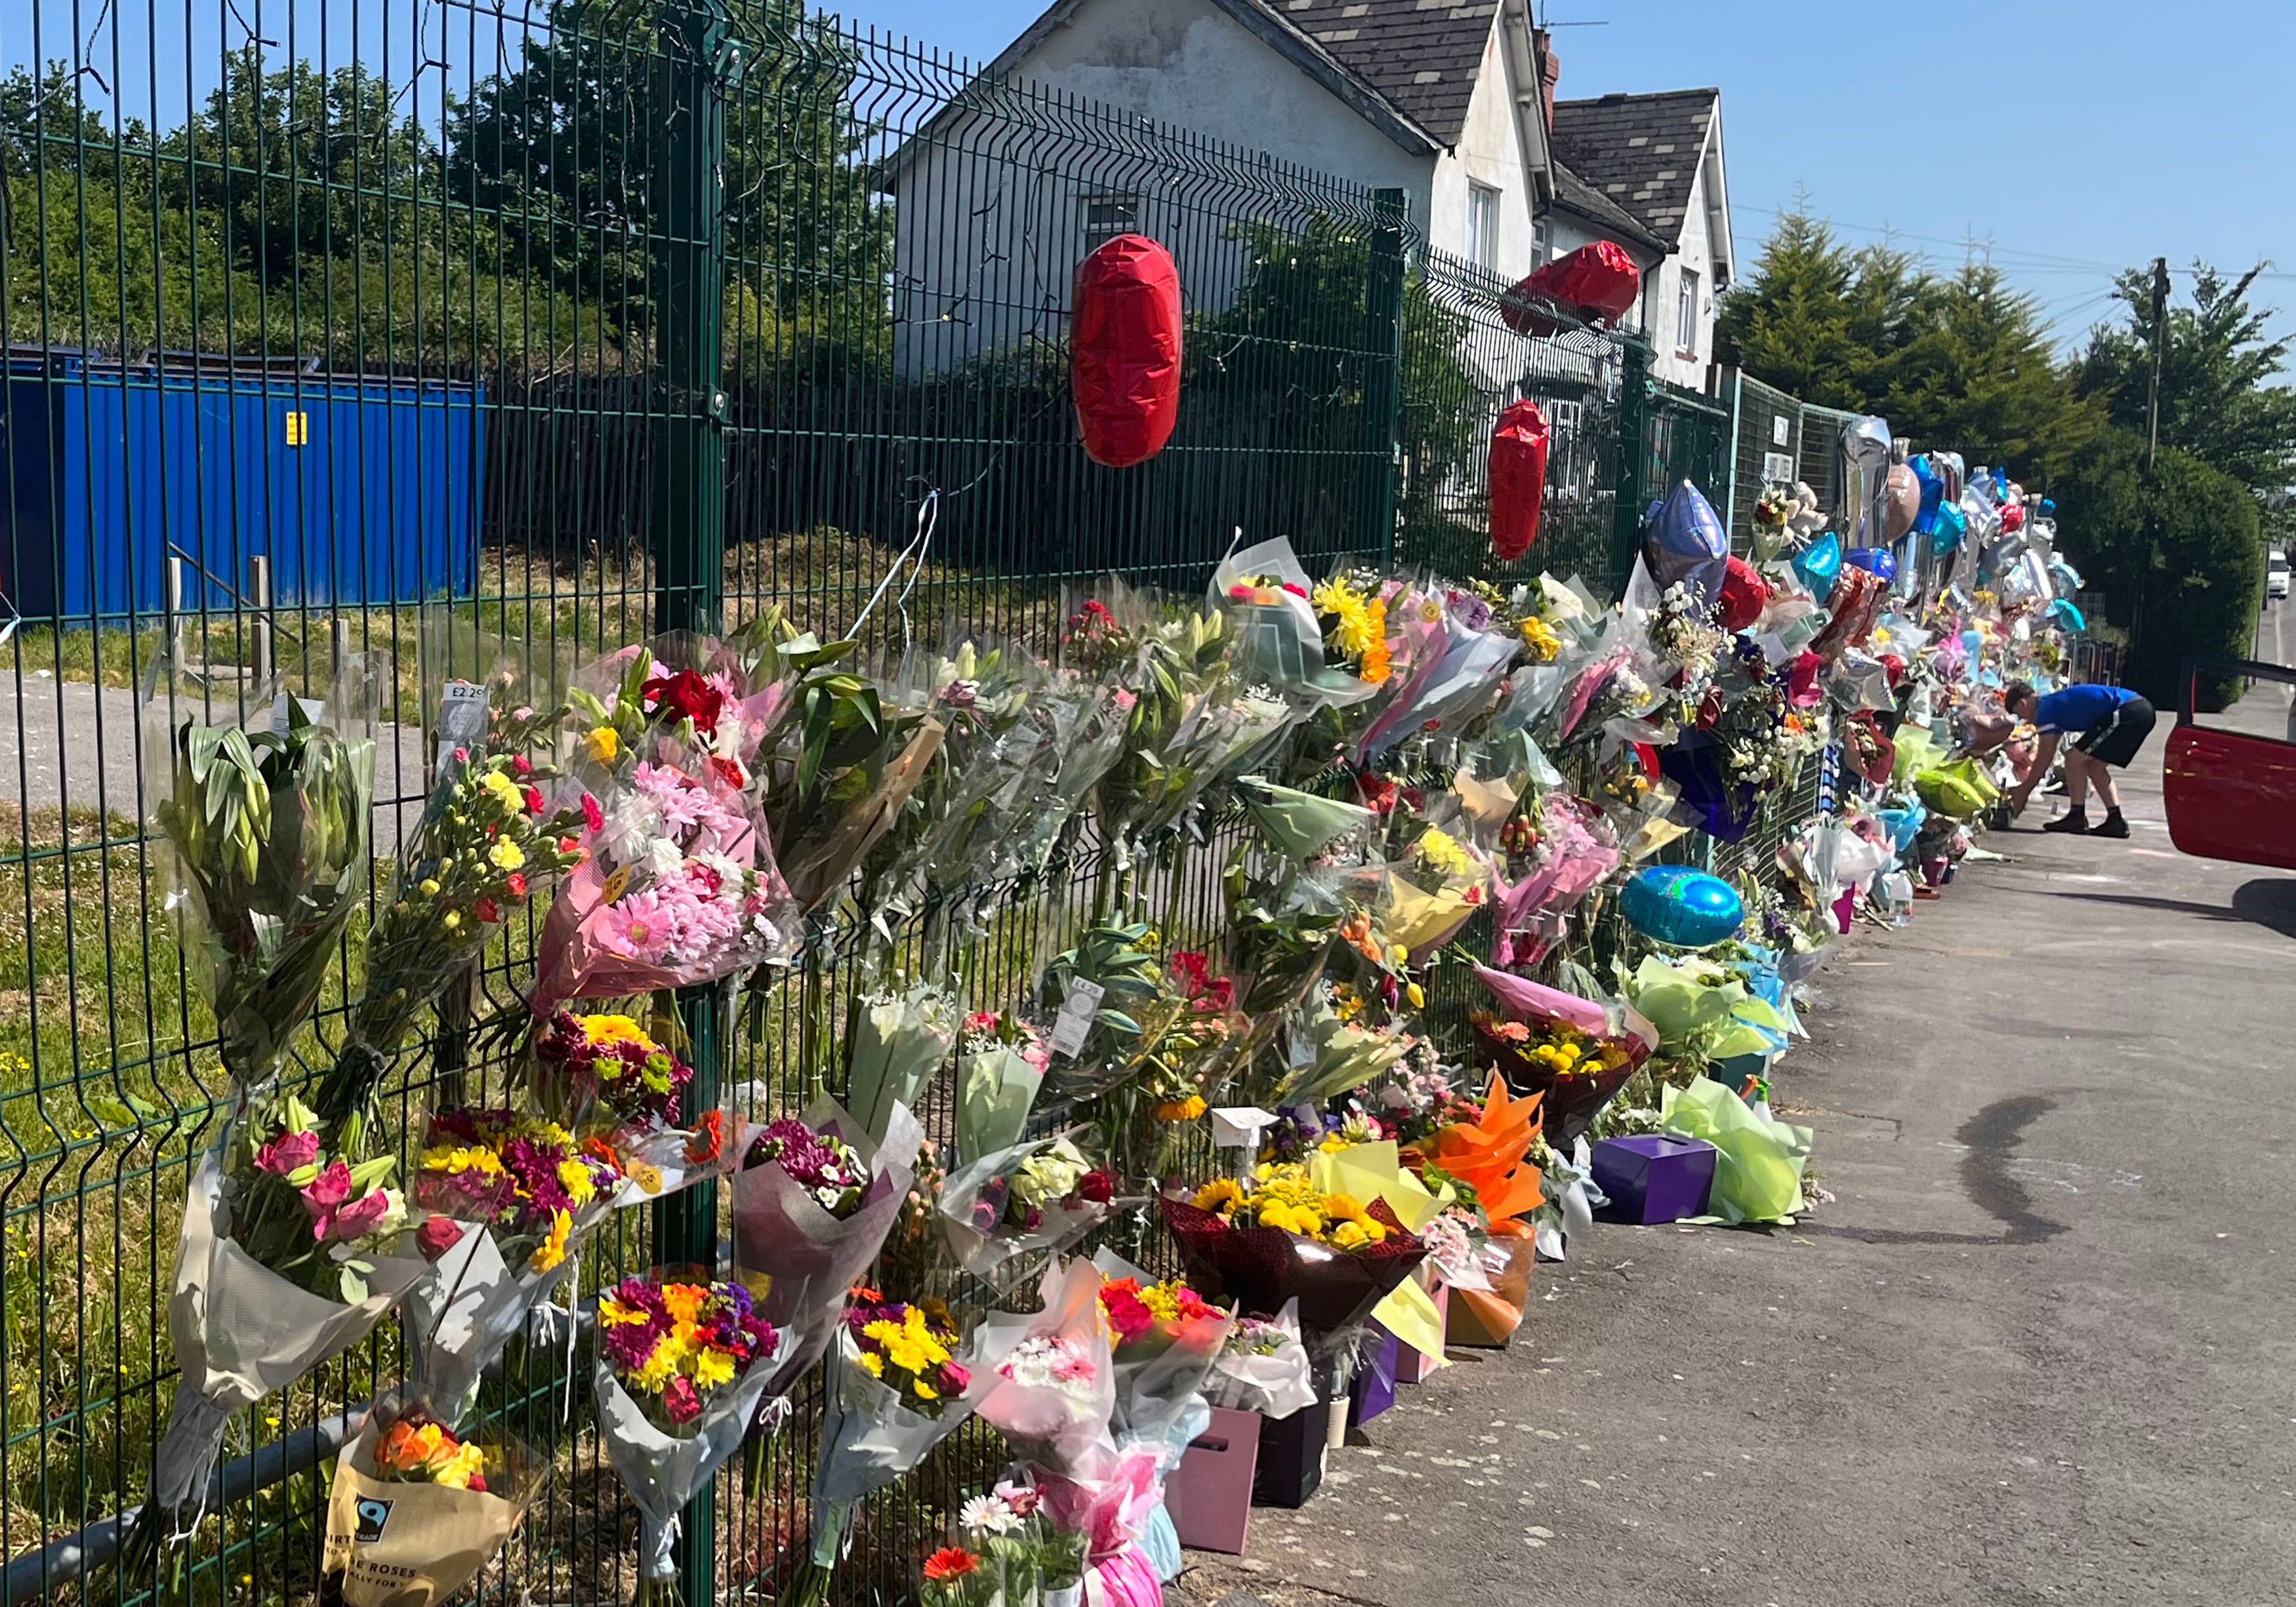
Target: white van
x=2275 y=575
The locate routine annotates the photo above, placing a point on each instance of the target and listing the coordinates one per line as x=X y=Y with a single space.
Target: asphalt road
x=2037 y=1350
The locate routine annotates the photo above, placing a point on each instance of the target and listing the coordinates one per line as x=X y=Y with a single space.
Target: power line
x=2024 y=261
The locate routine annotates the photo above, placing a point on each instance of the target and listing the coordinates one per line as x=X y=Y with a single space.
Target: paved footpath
x=2038 y=1350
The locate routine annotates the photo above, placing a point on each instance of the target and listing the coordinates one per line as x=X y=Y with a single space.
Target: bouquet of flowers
x=813 y=1199
x=511 y=1196
x=290 y=1255
x=1050 y=1383
x=1335 y=1047
x=417 y=1511
x=1565 y=856
x=681 y=693
x=604 y=1060
x=488 y=839
x=677 y=887
x=1012 y=1552
x=897 y=1388
x=1045 y=1194
x=1457 y=668
x=1573 y=1072
x=1001 y=1063
x=1166 y=1339
x=1263 y=1367
x=268 y=832
x=1487 y=1150
x=1276 y=1238
x=839 y=766
x=682 y=1365
x=1086 y=717
x=1111 y=994
x=901 y=1034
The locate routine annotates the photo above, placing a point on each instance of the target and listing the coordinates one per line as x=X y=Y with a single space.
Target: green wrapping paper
x=1758 y=1169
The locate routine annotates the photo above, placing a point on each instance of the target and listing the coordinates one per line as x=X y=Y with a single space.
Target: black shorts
x=2115 y=738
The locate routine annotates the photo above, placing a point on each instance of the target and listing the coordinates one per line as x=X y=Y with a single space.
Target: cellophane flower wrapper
x=678 y=886
x=979 y=1189
x=460 y=1319
x=265 y=828
x=1060 y=1426
x=807 y=1257
x=903 y=1034
x=661 y=1469
x=243 y=1332
x=1088 y=718
x=399 y=1542
x=1276 y=1384
x=1278 y=638
x=1301 y=825
x=1160 y=1375
x=995 y=1090
x=952 y=829
x=870 y=1437
x=840 y=827
x=1465 y=678
x=1330 y=1055
x=1111 y=1497
x=1263 y=1268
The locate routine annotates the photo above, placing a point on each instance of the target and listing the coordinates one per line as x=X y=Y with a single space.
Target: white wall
x=990 y=214
x=1694 y=252
x=1490 y=152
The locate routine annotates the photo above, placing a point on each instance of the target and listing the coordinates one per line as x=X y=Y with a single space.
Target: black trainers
x=2075 y=824
x=2113 y=826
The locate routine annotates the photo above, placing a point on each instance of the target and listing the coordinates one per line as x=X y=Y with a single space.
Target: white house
x=1002 y=192
x=1658 y=158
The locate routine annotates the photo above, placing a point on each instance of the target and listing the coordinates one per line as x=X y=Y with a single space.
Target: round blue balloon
x=1875 y=561
x=1675 y=905
x=1819 y=564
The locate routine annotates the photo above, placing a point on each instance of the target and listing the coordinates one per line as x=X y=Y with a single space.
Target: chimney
x=1550 y=70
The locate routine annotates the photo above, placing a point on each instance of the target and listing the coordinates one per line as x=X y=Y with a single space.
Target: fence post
x=1383 y=375
x=1634 y=459
x=698 y=62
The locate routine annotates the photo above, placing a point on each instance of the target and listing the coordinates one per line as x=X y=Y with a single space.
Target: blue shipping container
x=361 y=492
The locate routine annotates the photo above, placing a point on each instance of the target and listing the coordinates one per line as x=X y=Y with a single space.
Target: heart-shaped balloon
x=1932 y=484
x=2068 y=616
x=1684 y=544
x=1819 y=564
x=1949 y=529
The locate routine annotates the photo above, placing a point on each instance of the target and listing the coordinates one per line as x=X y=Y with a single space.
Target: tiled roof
x=1421 y=56
x=1574 y=195
x=1641 y=151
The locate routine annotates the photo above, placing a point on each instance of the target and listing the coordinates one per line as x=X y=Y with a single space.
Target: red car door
x=2230 y=790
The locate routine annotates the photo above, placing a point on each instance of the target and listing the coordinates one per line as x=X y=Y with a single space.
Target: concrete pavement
x=2037 y=1350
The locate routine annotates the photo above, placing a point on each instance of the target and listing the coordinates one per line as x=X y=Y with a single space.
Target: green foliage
x=2179 y=557
x=2218 y=398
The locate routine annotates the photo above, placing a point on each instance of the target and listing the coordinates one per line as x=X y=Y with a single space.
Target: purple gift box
x=1372 y=1389
x=1653 y=1177
x=1208 y=1495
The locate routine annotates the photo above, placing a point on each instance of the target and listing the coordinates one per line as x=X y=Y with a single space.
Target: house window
x=1483 y=225
x=1107 y=216
x=1542 y=242
x=1685 y=315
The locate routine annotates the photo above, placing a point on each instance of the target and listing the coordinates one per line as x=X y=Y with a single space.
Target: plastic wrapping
x=267 y=826
x=902 y=1034
x=1264 y=1367
x=873 y=1434
x=1264 y=1269
x=1054 y=1387
x=1278 y=638
x=979 y=1201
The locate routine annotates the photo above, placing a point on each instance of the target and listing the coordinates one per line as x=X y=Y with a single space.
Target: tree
x=1790 y=324
x=2218 y=397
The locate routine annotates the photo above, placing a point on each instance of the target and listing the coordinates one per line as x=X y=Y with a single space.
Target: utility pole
x=2160 y=345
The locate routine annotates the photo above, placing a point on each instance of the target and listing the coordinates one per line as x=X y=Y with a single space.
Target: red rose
x=437 y=1237
x=521 y=766
x=688 y=696
x=728 y=772
x=534 y=799
x=1097 y=1186
x=486 y=910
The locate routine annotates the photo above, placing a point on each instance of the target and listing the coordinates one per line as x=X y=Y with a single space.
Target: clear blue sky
x=2073 y=136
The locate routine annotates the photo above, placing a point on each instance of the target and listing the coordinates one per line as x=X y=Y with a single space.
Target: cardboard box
x=1292 y=1452
x=1655 y=1177
x=1208 y=1495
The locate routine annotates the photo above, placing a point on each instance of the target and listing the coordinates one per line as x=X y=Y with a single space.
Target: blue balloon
x=1686 y=908
x=1902 y=824
x=1932 y=487
x=1819 y=564
x=2065 y=614
x=1875 y=561
x=1683 y=543
x=1950 y=529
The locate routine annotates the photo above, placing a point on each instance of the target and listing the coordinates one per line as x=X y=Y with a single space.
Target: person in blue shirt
x=2108 y=724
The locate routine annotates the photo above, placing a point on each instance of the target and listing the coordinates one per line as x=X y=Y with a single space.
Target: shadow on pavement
x=2269 y=902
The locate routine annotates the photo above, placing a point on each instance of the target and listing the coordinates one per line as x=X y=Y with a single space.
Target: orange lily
x=1489 y=1155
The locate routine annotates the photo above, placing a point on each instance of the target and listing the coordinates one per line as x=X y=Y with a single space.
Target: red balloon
x=1124 y=363
x=1745 y=595
x=1598 y=283
x=1895 y=666
x=2013 y=518
x=1518 y=479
